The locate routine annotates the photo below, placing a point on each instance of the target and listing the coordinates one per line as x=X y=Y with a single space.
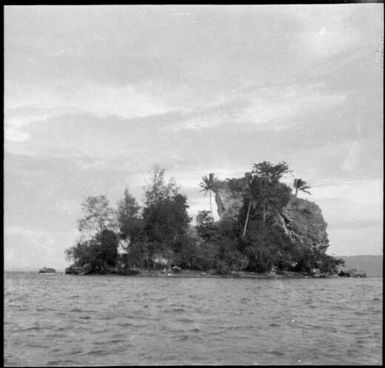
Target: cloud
x=330 y=40
x=33 y=249
x=352 y=157
x=276 y=107
x=355 y=205
x=95 y=96
x=100 y=101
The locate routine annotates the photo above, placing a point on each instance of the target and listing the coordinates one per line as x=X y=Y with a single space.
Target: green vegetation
x=160 y=234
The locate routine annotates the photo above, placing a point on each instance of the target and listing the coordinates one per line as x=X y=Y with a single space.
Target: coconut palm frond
x=209 y=184
x=302 y=187
x=300 y=184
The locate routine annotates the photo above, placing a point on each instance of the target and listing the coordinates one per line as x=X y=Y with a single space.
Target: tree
x=272 y=173
x=300 y=184
x=209 y=184
x=158 y=189
x=98 y=216
x=130 y=224
x=106 y=247
x=99 y=251
x=262 y=187
x=81 y=253
x=205 y=224
x=165 y=217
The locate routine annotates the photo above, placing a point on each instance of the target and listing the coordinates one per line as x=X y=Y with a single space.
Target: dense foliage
x=160 y=233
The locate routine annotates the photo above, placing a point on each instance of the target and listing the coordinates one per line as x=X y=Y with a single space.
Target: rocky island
x=263 y=230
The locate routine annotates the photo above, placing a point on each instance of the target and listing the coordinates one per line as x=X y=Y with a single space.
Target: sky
x=95 y=96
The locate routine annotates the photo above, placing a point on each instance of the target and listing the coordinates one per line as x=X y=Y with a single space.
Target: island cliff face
x=300 y=220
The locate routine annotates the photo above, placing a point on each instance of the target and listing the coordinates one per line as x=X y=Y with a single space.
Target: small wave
x=100 y=331
x=186 y=320
x=115 y=341
x=20 y=308
x=76 y=351
x=177 y=310
x=60 y=362
x=55 y=350
x=232 y=328
x=277 y=353
x=76 y=310
x=358 y=313
x=173 y=310
x=171 y=358
x=274 y=325
x=32 y=328
x=126 y=324
x=97 y=352
x=183 y=338
x=37 y=345
x=160 y=299
x=85 y=317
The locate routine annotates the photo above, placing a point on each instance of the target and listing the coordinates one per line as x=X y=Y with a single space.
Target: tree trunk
x=247 y=220
x=211 y=205
x=264 y=215
x=296 y=192
x=220 y=207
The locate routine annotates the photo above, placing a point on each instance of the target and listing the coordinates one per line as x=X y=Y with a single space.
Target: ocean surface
x=66 y=320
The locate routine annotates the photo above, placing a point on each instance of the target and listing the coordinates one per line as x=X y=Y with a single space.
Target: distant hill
x=372 y=265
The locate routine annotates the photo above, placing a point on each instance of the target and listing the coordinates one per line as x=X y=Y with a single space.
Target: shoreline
x=234 y=275
x=201 y=274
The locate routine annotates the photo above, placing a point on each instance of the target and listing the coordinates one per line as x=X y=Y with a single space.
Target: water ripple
x=67 y=321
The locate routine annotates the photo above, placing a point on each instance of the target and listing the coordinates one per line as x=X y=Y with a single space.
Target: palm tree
x=209 y=184
x=300 y=184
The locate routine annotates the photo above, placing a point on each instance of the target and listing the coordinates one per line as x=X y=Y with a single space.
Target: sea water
x=59 y=320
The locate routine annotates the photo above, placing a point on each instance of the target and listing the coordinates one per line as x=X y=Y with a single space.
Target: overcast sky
x=96 y=95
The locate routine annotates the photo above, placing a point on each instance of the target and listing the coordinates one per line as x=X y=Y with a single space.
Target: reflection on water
x=112 y=320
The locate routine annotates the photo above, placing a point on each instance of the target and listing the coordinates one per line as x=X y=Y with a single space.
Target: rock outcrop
x=301 y=220
x=228 y=197
x=87 y=269
x=47 y=270
x=351 y=273
x=73 y=270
